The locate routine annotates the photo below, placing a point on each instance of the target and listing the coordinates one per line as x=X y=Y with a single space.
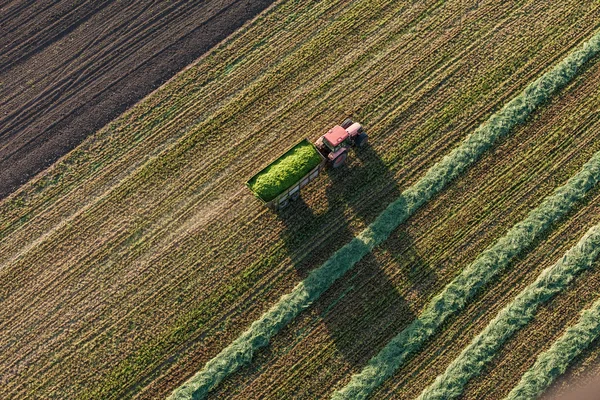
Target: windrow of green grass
x=456 y=294
x=515 y=112
x=513 y=317
x=555 y=361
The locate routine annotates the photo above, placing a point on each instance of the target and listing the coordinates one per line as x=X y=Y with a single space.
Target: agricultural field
x=67 y=68
x=583 y=372
x=139 y=255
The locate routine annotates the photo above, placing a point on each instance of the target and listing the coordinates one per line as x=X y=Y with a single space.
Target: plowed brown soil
x=69 y=67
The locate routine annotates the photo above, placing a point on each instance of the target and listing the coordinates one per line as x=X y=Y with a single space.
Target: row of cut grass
x=491 y=261
x=456 y=294
x=240 y=352
x=513 y=317
x=554 y=362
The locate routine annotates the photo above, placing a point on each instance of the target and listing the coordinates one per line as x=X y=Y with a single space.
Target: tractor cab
x=335 y=143
x=336 y=138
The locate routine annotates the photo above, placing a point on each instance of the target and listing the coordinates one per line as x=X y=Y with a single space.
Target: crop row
x=557 y=358
x=319 y=280
x=517 y=314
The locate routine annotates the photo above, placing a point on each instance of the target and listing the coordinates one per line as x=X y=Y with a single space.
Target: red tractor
x=331 y=149
x=335 y=143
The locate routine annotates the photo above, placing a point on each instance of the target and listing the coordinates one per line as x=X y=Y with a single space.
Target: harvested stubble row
x=240 y=352
x=513 y=317
x=555 y=360
x=160 y=272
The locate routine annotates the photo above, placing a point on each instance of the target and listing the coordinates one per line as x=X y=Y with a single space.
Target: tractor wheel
x=340 y=160
x=347 y=122
x=295 y=196
x=361 y=139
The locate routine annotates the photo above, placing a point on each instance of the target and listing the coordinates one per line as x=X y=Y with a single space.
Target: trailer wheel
x=284 y=204
x=361 y=139
x=295 y=196
x=347 y=122
x=340 y=160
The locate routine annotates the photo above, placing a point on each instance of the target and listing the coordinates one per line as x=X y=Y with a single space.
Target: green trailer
x=280 y=182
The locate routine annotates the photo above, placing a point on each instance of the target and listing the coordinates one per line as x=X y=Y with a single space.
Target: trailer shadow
x=364 y=309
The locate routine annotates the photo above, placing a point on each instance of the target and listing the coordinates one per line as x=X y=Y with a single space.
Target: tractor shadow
x=364 y=309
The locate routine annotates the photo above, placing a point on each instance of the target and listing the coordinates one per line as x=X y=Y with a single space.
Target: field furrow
x=68 y=68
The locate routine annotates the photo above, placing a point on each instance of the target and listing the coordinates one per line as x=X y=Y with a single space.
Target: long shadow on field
x=364 y=309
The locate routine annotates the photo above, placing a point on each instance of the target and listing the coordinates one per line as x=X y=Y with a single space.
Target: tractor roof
x=336 y=135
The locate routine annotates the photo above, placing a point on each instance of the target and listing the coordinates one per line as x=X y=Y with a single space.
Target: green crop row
x=557 y=358
x=513 y=317
x=240 y=352
x=456 y=294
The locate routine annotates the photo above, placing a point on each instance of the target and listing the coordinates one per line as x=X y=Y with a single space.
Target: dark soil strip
x=68 y=68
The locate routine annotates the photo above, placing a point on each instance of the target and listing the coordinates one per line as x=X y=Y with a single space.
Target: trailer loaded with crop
x=280 y=182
